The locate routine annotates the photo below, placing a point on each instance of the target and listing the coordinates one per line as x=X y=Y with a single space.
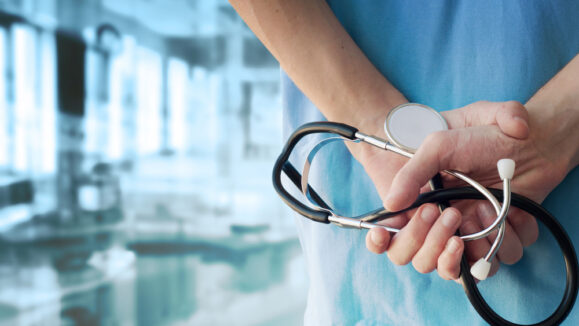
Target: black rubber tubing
x=307 y=129
x=540 y=213
x=443 y=196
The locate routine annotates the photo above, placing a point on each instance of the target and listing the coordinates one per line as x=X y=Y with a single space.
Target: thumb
x=511 y=117
x=513 y=120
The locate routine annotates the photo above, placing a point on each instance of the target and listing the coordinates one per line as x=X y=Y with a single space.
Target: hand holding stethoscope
x=407 y=128
x=483 y=125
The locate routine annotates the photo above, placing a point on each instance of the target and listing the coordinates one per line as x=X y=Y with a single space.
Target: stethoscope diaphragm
x=407 y=125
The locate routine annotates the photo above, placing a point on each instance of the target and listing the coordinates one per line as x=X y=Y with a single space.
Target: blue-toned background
x=136 y=143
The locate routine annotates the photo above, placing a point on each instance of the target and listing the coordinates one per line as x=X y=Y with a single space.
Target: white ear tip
x=506 y=168
x=481 y=269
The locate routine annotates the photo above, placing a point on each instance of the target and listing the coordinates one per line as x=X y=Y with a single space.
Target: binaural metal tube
x=501 y=210
x=503 y=215
x=495 y=203
x=459 y=175
x=348 y=222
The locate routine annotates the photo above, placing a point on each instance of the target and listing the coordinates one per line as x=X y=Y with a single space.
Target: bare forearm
x=322 y=59
x=554 y=111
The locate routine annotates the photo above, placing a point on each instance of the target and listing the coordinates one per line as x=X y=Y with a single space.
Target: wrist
x=365 y=110
x=554 y=130
x=554 y=113
x=371 y=122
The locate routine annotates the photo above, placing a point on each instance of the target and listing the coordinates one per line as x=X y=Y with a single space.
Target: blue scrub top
x=444 y=54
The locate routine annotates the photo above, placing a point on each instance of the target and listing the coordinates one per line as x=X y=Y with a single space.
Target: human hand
x=425 y=233
x=479 y=135
x=501 y=130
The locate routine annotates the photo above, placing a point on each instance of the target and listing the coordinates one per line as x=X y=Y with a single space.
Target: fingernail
x=428 y=214
x=452 y=246
x=377 y=238
x=449 y=218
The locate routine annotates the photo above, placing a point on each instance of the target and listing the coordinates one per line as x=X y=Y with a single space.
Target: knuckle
x=413 y=242
x=397 y=258
x=516 y=105
x=526 y=227
x=456 y=213
x=372 y=247
x=448 y=274
x=374 y=250
x=534 y=235
x=422 y=266
x=469 y=227
x=517 y=220
x=476 y=249
x=511 y=255
x=444 y=144
x=444 y=275
x=443 y=270
x=436 y=138
x=513 y=106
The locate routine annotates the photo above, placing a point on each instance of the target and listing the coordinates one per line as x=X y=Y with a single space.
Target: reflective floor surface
x=164 y=282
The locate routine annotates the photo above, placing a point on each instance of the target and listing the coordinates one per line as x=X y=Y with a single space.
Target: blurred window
x=149 y=111
x=25 y=95
x=4 y=135
x=177 y=91
x=46 y=122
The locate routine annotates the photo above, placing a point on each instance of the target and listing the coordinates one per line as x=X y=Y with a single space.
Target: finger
x=408 y=241
x=525 y=226
x=494 y=267
x=511 y=249
x=431 y=157
x=511 y=117
x=377 y=240
x=449 y=260
x=445 y=226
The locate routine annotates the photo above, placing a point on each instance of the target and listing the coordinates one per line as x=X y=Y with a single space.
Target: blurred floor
x=178 y=282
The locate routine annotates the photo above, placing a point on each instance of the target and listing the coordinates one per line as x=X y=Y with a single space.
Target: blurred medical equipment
x=406 y=127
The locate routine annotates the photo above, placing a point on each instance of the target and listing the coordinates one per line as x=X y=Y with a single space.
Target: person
x=353 y=61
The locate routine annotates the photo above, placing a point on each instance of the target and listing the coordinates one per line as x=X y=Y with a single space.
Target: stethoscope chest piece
x=407 y=125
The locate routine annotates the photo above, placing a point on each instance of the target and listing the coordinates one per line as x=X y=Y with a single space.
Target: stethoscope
x=406 y=126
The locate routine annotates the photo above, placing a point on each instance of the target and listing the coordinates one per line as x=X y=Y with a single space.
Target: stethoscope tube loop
x=343 y=130
x=323 y=214
x=540 y=213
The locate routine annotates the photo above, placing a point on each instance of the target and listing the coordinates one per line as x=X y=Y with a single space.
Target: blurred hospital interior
x=136 y=143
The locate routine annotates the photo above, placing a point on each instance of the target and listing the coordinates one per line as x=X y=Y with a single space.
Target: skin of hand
x=543 y=139
x=476 y=126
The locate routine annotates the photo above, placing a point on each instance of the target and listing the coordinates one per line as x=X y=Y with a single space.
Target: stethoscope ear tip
x=506 y=168
x=481 y=269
